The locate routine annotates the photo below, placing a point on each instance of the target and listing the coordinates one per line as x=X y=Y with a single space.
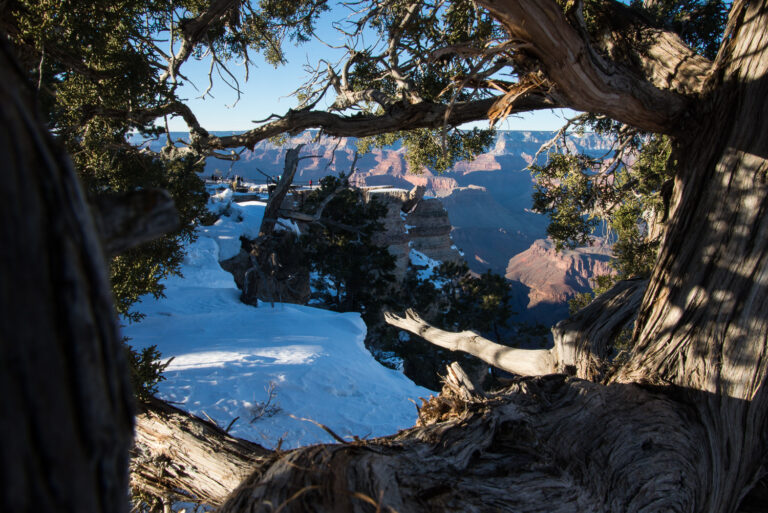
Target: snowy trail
x=226 y=353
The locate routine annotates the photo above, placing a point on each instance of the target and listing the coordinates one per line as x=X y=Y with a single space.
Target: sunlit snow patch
x=225 y=354
x=428 y=265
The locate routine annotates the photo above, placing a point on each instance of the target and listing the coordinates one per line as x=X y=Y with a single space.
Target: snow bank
x=386 y=190
x=426 y=264
x=237 y=219
x=225 y=354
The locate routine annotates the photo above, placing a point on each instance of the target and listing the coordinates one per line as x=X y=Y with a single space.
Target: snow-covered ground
x=426 y=264
x=227 y=355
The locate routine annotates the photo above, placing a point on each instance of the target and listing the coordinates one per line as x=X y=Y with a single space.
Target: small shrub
x=146 y=370
x=268 y=408
x=579 y=301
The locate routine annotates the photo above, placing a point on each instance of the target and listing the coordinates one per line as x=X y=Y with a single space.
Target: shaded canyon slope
x=488 y=201
x=545 y=279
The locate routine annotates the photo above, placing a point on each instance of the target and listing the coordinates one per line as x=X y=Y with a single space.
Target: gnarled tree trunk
x=268 y=279
x=66 y=412
x=703 y=327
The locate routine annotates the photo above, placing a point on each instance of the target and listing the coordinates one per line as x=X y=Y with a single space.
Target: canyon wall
x=488 y=202
x=546 y=279
x=414 y=223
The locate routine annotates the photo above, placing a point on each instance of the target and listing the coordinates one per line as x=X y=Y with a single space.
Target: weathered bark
x=66 y=410
x=546 y=444
x=589 y=81
x=703 y=326
x=541 y=445
x=659 y=56
x=180 y=457
x=281 y=190
x=269 y=279
x=584 y=343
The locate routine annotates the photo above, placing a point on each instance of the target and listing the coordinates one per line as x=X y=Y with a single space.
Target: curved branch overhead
x=649 y=89
x=585 y=79
x=400 y=117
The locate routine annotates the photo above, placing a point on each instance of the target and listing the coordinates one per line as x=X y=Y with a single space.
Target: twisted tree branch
x=589 y=81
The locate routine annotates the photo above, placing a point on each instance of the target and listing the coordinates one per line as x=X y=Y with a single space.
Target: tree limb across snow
x=524 y=362
x=183 y=457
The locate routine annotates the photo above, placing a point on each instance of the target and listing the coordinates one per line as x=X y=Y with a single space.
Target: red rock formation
x=555 y=277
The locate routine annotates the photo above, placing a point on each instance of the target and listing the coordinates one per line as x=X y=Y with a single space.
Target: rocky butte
x=414 y=222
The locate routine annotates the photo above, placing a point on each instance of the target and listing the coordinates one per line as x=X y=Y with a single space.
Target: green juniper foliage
x=101 y=76
x=566 y=190
x=146 y=370
x=627 y=197
x=442 y=80
x=139 y=270
x=354 y=272
x=579 y=192
x=435 y=150
x=699 y=22
x=481 y=303
x=625 y=194
x=98 y=69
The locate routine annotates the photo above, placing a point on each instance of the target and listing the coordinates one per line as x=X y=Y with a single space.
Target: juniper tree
x=107 y=73
x=340 y=248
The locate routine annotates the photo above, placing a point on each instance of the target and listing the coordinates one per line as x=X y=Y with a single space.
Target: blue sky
x=267 y=90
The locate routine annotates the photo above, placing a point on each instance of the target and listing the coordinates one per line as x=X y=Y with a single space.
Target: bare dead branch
x=277 y=196
x=126 y=220
x=193 y=31
x=524 y=362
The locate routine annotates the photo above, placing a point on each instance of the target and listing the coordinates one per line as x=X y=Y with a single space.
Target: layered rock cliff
x=429 y=229
x=394 y=234
x=548 y=279
x=413 y=222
